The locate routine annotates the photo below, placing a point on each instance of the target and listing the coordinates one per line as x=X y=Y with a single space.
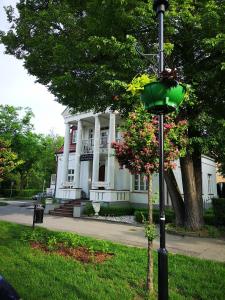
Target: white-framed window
x=104 y=138
x=140 y=182
x=70 y=175
x=210 y=187
x=91 y=136
x=53 y=178
x=74 y=137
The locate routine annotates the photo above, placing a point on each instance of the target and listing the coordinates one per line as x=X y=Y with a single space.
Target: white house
x=87 y=168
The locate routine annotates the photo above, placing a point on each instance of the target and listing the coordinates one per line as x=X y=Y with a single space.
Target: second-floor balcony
x=88 y=145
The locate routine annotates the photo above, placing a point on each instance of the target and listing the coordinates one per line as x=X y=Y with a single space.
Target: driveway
x=21 y=212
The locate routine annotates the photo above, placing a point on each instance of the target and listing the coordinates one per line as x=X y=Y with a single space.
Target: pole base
x=162 y=274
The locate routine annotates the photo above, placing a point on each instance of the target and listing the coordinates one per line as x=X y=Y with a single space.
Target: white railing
x=109 y=196
x=88 y=145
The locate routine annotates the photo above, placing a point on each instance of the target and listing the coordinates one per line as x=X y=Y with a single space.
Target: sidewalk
x=207 y=248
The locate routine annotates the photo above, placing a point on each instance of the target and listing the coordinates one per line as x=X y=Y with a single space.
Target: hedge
x=113 y=211
x=19 y=193
x=139 y=214
x=219 y=210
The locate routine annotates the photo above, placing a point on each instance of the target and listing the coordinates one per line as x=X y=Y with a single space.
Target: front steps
x=66 y=209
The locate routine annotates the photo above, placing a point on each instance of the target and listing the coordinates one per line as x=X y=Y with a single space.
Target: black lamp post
x=160 y=7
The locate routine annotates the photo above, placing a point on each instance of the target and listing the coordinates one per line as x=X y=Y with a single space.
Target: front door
x=101 y=176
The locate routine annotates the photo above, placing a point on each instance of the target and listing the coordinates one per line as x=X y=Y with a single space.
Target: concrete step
x=70 y=204
x=66 y=206
x=62 y=210
x=62 y=214
x=66 y=209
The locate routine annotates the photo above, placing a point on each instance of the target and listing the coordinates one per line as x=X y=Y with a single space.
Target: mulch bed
x=81 y=254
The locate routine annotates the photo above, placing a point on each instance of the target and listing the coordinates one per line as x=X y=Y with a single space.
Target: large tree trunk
x=176 y=197
x=193 y=211
x=197 y=161
x=149 y=282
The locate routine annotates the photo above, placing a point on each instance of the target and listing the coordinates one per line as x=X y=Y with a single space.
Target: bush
x=88 y=210
x=209 y=217
x=112 y=211
x=219 y=210
x=17 y=193
x=170 y=216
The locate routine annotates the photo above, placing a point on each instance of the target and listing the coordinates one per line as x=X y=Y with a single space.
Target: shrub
x=209 y=217
x=112 y=211
x=88 y=210
x=17 y=193
x=219 y=210
x=170 y=216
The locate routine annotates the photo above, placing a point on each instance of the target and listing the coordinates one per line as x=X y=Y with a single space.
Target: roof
x=71 y=149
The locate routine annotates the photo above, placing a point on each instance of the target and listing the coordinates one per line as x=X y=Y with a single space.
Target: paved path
x=206 y=248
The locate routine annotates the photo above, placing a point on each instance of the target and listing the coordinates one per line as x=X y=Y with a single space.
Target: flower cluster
x=138 y=151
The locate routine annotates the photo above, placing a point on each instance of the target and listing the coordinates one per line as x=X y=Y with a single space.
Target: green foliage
x=33 y=155
x=138 y=83
x=219 y=210
x=112 y=211
x=54 y=239
x=88 y=210
x=27 y=193
x=209 y=217
x=55 y=277
x=116 y=211
x=150 y=231
x=142 y=214
x=8 y=159
x=205 y=231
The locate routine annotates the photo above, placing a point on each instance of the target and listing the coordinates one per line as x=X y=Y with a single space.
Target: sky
x=18 y=88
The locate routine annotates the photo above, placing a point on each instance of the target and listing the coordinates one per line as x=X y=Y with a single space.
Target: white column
x=66 y=153
x=95 y=172
x=77 y=155
x=111 y=156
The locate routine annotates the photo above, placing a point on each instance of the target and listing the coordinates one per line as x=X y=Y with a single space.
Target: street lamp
x=161 y=98
x=160 y=7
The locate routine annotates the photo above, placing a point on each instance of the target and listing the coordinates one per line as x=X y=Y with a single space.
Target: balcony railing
x=88 y=145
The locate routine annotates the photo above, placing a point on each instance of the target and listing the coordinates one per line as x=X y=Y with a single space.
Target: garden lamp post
x=160 y=7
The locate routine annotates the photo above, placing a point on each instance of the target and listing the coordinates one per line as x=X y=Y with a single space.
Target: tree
x=35 y=152
x=45 y=164
x=8 y=159
x=139 y=152
x=84 y=52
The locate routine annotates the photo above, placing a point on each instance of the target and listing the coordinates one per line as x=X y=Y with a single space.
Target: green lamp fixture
x=160 y=98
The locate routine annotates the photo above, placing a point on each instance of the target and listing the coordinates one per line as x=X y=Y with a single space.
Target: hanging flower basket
x=159 y=97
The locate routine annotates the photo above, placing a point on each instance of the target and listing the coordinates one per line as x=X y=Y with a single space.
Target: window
x=210 y=188
x=140 y=182
x=70 y=175
x=74 y=136
x=104 y=139
x=53 y=178
x=91 y=137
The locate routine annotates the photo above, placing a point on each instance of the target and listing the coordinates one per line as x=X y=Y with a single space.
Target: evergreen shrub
x=219 y=210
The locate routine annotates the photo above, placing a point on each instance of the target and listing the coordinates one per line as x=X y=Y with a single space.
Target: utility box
x=77 y=211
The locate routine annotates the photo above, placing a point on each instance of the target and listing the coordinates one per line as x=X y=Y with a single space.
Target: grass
x=37 y=275
x=205 y=231
x=3 y=203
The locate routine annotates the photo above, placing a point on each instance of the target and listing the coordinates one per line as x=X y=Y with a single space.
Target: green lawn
x=37 y=275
